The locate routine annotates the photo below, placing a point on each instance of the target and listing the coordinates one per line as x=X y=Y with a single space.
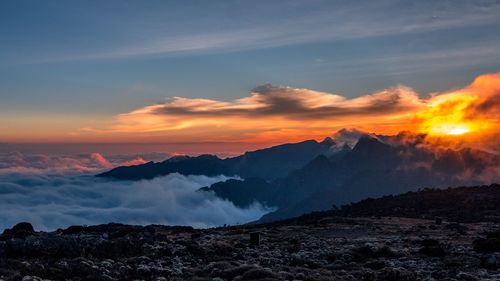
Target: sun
x=449 y=115
x=459 y=130
x=449 y=129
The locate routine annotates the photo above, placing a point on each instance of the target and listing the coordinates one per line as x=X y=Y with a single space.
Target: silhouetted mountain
x=461 y=204
x=371 y=169
x=208 y=165
x=310 y=176
x=248 y=191
x=277 y=161
x=269 y=163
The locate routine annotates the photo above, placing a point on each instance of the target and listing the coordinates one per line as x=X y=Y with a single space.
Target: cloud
x=271 y=114
x=474 y=109
x=487 y=89
x=453 y=162
x=61 y=196
x=304 y=24
x=42 y=163
x=348 y=137
x=293 y=103
x=268 y=113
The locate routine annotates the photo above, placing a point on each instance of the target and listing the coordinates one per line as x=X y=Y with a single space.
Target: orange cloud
x=277 y=114
x=269 y=113
x=472 y=112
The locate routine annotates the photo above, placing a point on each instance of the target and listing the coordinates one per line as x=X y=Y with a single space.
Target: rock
x=433 y=251
x=74 y=229
x=431 y=248
x=462 y=261
x=395 y=274
x=466 y=276
x=375 y=265
x=31 y=278
x=493 y=234
x=493 y=261
x=259 y=274
x=459 y=228
x=195 y=249
x=232 y=272
x=20 y=230
x=336 y=249
x=255 y=238
x=293 y=245
x=366 y=252
x=487 y=245
x=429 y=243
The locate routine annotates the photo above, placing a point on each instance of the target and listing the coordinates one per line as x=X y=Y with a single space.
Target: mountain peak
x=328 y=141
x=369 y=143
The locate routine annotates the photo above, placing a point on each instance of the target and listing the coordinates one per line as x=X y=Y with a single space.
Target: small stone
x=493 y=261
x=487 y=245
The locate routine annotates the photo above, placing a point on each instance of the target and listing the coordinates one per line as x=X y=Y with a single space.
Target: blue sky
x=96 y=59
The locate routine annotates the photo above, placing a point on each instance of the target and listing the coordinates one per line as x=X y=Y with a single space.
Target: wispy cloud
x=372 y=19
x=292 y=103
x=472 y=54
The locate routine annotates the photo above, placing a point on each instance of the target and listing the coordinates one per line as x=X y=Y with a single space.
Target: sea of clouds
x=58 y=191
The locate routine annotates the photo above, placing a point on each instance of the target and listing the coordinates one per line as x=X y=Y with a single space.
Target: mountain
x=208 y=165
x=277 y=161
x=310 y=176
x=269 y=163
x=247 y=191
x=372 y=168
x=461 y=204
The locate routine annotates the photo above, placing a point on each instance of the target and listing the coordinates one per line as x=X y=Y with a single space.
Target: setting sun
x=458 y=131
x=450 y=129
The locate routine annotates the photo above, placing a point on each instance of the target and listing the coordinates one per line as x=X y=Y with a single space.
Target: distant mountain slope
x=208 y=165
x=462 y=204
x=245 y=192
x=269 y=163
x=277 y=161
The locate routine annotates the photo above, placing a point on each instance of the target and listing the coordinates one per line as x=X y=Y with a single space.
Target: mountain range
x=308 y=176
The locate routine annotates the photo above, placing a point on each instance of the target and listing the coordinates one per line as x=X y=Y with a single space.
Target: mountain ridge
x=312 y=176
x=267 y=163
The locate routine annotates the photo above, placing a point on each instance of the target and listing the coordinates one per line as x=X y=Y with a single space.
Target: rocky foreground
x=311 y=248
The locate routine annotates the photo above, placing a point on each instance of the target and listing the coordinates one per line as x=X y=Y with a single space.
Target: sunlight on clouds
x=472 y=110
x=281 y=114
x=269 y=112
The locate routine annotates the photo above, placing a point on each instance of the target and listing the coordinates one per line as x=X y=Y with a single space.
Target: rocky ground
x=326 y=248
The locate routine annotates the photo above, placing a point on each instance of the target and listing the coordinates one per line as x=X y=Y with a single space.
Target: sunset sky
x=254 y=72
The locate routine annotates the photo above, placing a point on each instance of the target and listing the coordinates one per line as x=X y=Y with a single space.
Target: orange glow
x=458 y=130
x=470 y=111
x=277 y=114
x=445 y=115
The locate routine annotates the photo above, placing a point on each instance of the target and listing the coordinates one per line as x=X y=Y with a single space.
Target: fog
x=56 y=192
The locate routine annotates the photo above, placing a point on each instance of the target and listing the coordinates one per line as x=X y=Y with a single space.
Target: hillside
x=331 y=245
x=461 y=204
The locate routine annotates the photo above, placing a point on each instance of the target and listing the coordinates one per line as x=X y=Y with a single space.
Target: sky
x=239 y=71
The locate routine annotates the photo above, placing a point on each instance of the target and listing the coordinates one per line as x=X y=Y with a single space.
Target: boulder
x=20 y=230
